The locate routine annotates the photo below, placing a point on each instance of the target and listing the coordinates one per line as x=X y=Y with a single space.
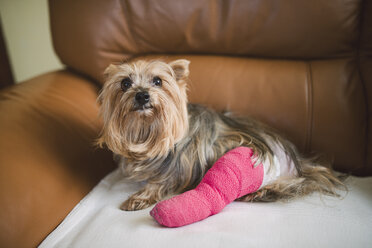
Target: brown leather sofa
x=304 y=67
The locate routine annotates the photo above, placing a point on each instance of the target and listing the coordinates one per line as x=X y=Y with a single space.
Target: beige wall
x=27 y=37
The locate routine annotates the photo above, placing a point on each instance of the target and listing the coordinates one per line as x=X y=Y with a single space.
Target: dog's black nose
x=142 y=97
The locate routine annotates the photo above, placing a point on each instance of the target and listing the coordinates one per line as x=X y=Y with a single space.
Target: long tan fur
x=171 y=144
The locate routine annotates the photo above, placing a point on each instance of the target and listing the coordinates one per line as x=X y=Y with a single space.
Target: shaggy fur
x=171 y=144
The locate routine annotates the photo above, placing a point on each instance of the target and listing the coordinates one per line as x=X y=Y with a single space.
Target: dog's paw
x=134 y=203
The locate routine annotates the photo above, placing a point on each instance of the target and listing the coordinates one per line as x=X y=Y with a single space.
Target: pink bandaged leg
x=231 y=177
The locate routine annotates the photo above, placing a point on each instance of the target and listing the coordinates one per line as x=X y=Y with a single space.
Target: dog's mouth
x=142 y=108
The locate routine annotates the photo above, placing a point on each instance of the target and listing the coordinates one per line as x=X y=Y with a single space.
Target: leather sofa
x=303 y=67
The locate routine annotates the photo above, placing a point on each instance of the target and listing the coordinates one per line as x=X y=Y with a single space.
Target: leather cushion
x=47 y=158
x=89 y=34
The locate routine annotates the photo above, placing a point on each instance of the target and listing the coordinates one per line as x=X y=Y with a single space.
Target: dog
x=170 y=144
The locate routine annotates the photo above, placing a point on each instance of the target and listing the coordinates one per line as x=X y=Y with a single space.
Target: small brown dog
x=170 y=144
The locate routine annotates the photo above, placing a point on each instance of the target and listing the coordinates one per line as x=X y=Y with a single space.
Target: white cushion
x=314 y=221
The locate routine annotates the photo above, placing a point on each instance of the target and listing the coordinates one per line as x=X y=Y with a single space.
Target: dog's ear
x=110 y=70
x=180 y=68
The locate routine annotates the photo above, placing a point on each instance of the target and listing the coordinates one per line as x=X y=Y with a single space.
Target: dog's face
x=144 y=107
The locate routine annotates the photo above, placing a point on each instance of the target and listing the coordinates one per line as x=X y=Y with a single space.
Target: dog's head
x=144 y=107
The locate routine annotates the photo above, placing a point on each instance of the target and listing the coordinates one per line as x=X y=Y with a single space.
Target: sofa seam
x=362 y=82
x=310 y=106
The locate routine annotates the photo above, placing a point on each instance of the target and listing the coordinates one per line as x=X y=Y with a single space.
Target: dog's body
x=170 y=144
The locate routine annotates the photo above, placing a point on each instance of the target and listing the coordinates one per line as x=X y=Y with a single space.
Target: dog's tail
x=312 y=178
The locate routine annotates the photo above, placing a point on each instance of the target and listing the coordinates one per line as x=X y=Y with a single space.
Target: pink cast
x=231 y=177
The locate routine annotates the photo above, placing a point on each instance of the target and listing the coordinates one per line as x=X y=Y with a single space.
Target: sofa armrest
x=47 y=159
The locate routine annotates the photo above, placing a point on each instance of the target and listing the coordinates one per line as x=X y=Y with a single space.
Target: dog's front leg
x=144 y=198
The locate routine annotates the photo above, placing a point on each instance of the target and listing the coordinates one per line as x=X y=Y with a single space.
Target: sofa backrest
x=303 y=67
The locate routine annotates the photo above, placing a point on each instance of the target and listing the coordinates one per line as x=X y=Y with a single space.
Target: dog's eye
x=157 y=81
x=126 y=83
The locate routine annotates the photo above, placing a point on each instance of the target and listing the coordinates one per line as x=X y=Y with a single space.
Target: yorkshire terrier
x=170 y=144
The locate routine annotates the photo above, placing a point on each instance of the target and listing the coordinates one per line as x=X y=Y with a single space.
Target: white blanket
x=314 y=221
